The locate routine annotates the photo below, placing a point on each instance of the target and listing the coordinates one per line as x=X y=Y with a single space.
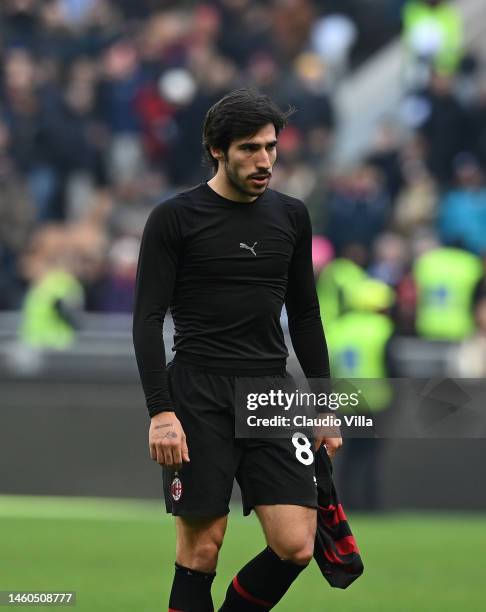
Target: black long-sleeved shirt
x=225 y=270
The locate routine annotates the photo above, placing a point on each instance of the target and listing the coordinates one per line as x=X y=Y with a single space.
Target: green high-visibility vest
x=445 y=20
x=42 y=326
x=357 y=345
x=333 y=285
x=446 y=278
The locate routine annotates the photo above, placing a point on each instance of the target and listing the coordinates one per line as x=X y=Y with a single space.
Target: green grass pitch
x=118 y=554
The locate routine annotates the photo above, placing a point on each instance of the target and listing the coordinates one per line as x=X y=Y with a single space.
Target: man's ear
x=218 y=154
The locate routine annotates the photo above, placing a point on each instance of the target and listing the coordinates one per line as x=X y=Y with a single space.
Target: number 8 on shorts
x=303 y=450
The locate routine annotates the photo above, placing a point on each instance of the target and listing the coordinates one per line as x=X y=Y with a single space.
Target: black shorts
x=268 y=471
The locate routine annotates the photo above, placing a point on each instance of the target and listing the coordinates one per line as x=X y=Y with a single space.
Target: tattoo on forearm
x=164 y=425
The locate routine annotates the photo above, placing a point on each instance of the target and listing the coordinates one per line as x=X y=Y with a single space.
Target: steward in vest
x=358 y=341
x=52 y=304
x=433 y=31
x=333 y=285
x=358 y=345
x=446 y=279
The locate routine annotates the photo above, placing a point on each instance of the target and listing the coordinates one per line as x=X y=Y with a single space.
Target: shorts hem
x=247 y=508
x=202 y=513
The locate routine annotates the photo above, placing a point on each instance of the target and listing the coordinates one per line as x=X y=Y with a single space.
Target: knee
x=300 y=553
x=199 y=542
x=202 y=555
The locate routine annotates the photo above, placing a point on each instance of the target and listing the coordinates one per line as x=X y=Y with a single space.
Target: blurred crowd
x=101 y=109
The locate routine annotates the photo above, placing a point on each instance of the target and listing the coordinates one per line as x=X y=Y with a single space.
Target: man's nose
x=263 y=160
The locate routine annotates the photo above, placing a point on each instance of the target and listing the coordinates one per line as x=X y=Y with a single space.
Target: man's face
x=249 y=161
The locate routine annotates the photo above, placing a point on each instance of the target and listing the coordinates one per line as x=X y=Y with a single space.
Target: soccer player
x=226 y=256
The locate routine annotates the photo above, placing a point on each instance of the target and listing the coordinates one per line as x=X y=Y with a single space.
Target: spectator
x=389 y=259
x=117 y=288
x=122 y=79
x=25 y=111
x=20 y=23
x=16 y=220
x=54 y=38
x=462 y=211
x=89 y=245
x=76 y=140
x=245 y=25
x=385 y=156
x=358 y=208
x=291 y=27
x=265 y=74
x=293 y=175
x=445 y=126
x=307 y=91
x=156 y=110
x=416 y=203
x=478 y=125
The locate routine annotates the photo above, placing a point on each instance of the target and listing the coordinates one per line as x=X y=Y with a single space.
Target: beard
x=240 y=184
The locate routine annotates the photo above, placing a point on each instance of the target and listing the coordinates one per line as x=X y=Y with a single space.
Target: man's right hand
x=167 y=440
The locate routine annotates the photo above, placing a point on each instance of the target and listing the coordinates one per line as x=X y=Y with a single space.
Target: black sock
x=261 y=583
x=191 y=591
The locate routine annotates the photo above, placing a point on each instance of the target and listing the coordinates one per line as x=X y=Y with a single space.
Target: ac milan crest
x=176 y=489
